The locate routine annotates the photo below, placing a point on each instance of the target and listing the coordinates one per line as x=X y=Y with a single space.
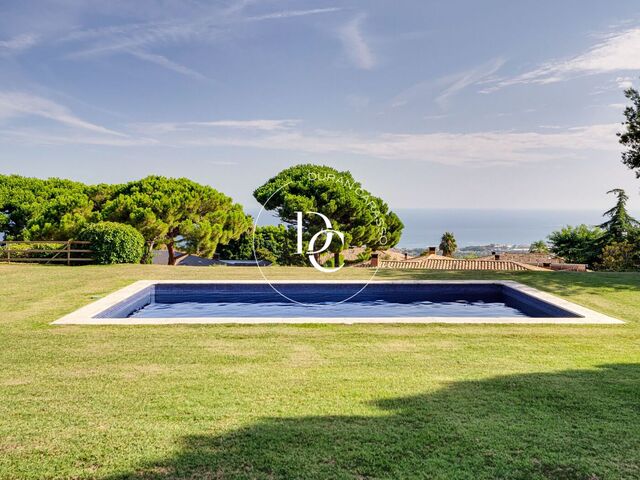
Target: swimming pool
x=159 y=302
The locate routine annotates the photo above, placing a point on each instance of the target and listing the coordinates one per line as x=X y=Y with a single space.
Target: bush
x=619 y=257
x=363 y=256
x=332 y=263
x=114 y=242
x=581 y=244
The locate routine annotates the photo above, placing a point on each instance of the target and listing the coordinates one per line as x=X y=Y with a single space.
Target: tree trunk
x=147 y=258
x=336 y=259
x=172 y=254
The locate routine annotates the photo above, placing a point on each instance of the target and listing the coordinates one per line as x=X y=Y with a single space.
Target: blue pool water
x=374 y=308
x=322 y=300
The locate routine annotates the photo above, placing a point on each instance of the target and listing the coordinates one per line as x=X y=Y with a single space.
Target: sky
x=430 y=104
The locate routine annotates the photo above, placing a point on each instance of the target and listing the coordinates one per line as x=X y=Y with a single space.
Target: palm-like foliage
x=448 y=244
x=539 y=246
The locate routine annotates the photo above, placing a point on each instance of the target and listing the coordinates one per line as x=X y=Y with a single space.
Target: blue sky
x=430 y=104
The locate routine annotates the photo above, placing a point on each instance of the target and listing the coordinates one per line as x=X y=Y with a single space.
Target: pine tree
x=620 y=224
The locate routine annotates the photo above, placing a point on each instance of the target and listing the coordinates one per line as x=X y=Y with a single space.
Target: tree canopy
x=448 y=244
x=539 y=246
x=581 y=244
x=590 y=245
x=621 y=224
x=166 y=211
x=52 y=209
x=276 y=244
x=630 y=138
x=365 y=220
x=177 y=212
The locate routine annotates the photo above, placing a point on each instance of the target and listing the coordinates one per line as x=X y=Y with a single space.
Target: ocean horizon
x=423 y=227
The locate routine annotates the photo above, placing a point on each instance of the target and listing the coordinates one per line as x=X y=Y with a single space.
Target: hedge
x=114 y=242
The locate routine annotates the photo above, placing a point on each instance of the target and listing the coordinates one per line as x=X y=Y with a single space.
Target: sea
x=474 y=227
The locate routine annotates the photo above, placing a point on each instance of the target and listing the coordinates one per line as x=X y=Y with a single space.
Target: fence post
x=68 y=253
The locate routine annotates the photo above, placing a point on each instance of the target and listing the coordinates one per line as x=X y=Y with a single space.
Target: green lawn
x=363 y=401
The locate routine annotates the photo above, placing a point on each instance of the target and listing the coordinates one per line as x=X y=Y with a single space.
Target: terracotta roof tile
x=457 y=264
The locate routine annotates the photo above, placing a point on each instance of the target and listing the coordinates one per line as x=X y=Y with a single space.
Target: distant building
x=544 y=260
x=537 y=259
x=432 y=261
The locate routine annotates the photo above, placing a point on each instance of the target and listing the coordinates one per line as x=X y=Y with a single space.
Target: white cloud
x=615 y=52
x=448 y=86
x=18 y=44
x=293 y=13
x=470 y=77
x=355 y=45
x=16 y=104
x=267 y=125
x=139 y=39
x=34 y=136
x=481 y=148
x=166 y=63
x=624 y=82
x=258 y=125
x=474 y=149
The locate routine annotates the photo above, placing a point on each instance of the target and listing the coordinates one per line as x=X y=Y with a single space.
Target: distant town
x=474 y=251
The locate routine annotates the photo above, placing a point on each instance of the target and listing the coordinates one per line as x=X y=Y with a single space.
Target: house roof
x=530 y=258
x=437 y=262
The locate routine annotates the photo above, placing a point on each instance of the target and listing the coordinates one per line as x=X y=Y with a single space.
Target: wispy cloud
x=18 y=44
x=470 y=77
x=138 y=39
x=445 y=88
x=472 y=149
x=624 y=82
x=615 y=52
x=35 y=136
x=17 y=104
x=293 y=13
x=355 y=44
x=143 y=40
x=163 y=61
x=257 y=125
x=488 y=148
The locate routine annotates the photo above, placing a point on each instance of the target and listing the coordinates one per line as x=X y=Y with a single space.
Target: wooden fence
x=71 y=252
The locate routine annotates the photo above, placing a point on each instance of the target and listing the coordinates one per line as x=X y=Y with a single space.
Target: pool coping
x=87 y=315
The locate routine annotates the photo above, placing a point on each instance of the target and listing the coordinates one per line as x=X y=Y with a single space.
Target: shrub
x=114 y=242
x=331 y=262
x=619 y=257
x=363 y=256
x=266 y=254
x=581 y=244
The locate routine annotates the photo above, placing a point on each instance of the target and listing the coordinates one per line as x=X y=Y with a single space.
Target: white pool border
x=87 y=315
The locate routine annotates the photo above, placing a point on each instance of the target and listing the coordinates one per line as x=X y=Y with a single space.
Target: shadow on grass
x=567 y=425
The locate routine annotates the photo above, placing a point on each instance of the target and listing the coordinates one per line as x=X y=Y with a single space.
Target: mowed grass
x=314 y=401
